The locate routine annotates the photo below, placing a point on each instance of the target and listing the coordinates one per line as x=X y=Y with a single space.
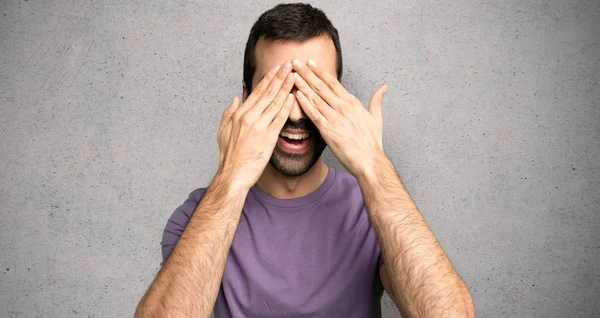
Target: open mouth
x=295 y=143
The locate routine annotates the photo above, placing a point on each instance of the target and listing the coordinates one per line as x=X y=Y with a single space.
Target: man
x=277 y=232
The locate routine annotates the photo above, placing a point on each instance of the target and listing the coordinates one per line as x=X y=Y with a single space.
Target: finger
x=311 y=111
x=314 y=99
x=270 y=93
x=331 y=81
x=273 y=109
x=258 y=91
x=317 y=85
x=283 y=115
x=375 y=102
x=285 y=89
x=229 y=112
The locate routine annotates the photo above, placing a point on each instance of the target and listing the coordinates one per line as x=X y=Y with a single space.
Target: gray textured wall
x=109 y=113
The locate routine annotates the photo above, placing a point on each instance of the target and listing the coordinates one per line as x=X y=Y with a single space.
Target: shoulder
x=179 y=219
x=348 y=188
x=344 y=200
x=345 y=187
x=187 y=208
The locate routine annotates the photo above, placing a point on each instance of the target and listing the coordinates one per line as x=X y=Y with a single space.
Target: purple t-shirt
x=312 y=256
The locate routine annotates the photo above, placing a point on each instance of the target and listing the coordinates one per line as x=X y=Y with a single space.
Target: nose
x=296 y=113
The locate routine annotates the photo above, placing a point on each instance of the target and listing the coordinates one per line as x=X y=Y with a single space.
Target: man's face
x=295 y=157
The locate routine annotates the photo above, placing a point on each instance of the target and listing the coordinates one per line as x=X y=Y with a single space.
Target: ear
x=244 y=92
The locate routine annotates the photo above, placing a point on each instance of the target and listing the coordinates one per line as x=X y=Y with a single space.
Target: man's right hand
x=247 y=136
x=248 y=133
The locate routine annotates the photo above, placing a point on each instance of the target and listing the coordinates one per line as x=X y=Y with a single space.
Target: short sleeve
x=178 y=221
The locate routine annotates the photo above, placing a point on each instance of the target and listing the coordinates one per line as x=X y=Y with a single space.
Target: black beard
x=293 y=165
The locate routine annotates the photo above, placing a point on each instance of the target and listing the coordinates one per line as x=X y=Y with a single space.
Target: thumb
x=375 y=102
x=229 y=112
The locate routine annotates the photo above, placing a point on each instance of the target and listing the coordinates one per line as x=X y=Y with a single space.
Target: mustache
x=302 y=124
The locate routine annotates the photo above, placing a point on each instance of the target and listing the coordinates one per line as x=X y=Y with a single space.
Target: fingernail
x=297 y=76
x=312 y=62
x=287 y=66
x=276 y=68
x=297 y=63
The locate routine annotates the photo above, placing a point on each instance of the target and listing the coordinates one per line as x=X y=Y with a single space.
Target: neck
x=280 y=186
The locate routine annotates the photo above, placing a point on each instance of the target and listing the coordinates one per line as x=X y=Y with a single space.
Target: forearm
x=188 y=282
x=423 y=281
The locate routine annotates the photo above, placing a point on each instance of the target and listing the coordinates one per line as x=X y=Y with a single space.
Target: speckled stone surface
x=109 y=110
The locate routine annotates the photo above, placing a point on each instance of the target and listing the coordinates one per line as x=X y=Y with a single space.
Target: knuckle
x=313 y=99
x=280 y=120
x=278 y=101
x=246 y=120
x=345 y=107
x=237 y=117
x=269 y=92
x=321 y=123
x=273 y=92
x=329 y=80
x=336 y=87
x=301 y=84
x=330 y=85
x=281 y=74
x=256 y=128
x=320 y=87
x=258 y=90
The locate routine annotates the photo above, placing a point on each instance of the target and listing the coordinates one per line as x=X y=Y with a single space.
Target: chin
x=294 y=165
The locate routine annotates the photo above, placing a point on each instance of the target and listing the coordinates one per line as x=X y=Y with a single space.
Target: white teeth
x=295 y=136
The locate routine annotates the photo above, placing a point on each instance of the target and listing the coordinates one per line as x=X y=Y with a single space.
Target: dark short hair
x=293 y=22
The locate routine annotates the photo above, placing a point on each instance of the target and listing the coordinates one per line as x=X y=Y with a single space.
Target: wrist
x=372 y=173
x=233 y=187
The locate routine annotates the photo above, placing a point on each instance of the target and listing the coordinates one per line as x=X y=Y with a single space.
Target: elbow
x=144 y=311
x=140 y=311
x=466 y=311
x=459 y=310
x=470 y=308
x=462 y=306
x=467 y=308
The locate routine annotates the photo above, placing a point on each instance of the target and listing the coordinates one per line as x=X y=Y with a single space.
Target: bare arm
x=417 y=272
x=189 y=280
x=188 y=283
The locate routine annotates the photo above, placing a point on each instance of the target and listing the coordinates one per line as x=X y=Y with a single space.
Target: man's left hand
x=353 y=133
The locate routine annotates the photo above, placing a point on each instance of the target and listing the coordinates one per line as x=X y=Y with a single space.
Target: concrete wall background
x=109 y=112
